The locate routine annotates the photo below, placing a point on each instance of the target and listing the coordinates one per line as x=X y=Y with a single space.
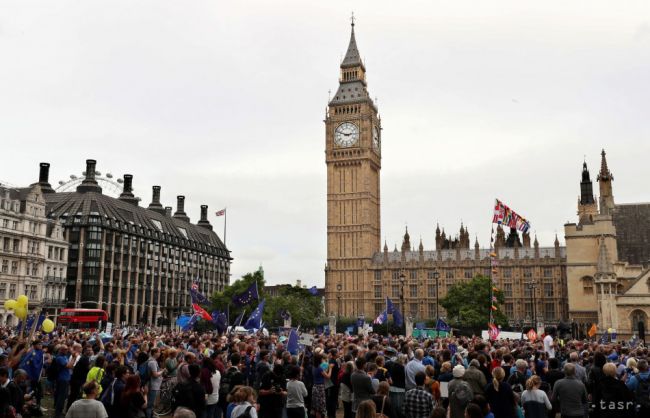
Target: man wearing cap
x=460 y=393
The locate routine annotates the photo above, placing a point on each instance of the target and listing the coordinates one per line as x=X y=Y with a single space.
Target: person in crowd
x=6 y=409
x=97 y=372
x=534 y=400
x=460 y=393
x=361 y=384
x=366 y=409
x=210 y=379
x=133 y=400
x=571 y=394
x=612 y=399
x=296 y=392
x=88 y=406
x=418 y=403
x=413 y=367
x=581 y=372
x=190 y=394
x=475 y=378
x=382 y=400
x=273 y=391
x=500 y=395
x=81 y=367
x=244 y=400
x=639 y=385
x=345 y=389
x=397 y=391
x=61 y=371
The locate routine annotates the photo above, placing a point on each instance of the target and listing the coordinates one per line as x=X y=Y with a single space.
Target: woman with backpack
x=244 y=398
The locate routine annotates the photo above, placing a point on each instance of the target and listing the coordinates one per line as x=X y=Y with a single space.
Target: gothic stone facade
x=358 y=275
x=608 y=254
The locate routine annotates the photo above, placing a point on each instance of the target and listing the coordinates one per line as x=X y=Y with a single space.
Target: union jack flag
x=221 y=212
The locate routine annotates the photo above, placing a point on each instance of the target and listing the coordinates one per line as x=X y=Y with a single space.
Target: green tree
x=468 y=303
x=223 y=300
x=306 y=310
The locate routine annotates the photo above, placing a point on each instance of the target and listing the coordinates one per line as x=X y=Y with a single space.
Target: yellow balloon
x=10 y=304
x=22 y=300
x=20 y=312
x=48 y=326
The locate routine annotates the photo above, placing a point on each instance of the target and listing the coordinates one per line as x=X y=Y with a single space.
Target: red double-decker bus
x=90 y=319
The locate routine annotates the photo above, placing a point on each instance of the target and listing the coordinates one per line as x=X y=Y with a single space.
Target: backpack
x=225 y=384
x=381 y=414
x=143 y=371
x=53 y=370
x=517 y=382
x=108 y=397
x=246 y=414
x=642 y=393
x=182 y=396
x=463 y=394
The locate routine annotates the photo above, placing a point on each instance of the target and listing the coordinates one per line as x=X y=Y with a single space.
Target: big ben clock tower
x=353 y=158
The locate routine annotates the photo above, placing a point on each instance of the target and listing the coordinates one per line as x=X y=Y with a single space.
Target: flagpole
x=225 y=221
x=387 y=329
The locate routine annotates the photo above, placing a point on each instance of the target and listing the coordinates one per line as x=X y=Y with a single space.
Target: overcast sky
x=224 y=102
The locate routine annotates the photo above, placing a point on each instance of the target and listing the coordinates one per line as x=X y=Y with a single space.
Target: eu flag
x=220 y=321
x=397 y=315
x=313 y=290
x=190 y=323
x=247 y=297
x=292 y=343
x=255 y=320
x=442 y=326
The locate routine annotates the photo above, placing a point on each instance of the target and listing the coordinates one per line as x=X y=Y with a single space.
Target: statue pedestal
x=408 y=321
x=332 y=324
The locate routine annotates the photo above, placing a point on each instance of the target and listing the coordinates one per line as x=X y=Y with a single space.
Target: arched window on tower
x=588 y=285
x=637 y=316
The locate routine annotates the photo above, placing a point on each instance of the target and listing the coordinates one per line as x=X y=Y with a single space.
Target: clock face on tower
x=346 y=134
x=375 y=138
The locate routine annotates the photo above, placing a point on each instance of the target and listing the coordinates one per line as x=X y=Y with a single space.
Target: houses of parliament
x=360 y=274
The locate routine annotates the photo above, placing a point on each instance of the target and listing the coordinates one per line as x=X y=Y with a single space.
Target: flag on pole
x=197 y=297
x=201 y=312
x=383 y=317
x=397 y=315
x=313 y=290
x=190 y=324
x=220 y=321
x=246 y=297
x=255 y=320
x=593 y=330
x=292 y=342
x=442 y=326
x=220 y=212
x=493 y=331
x=239 y=319
x=503 y=215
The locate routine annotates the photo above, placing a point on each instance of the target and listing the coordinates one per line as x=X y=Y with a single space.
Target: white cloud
x=224 y=102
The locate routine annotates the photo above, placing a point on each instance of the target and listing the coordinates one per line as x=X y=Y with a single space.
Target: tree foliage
x=306 y=310
x=468 y=303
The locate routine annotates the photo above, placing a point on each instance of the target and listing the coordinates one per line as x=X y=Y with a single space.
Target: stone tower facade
x=353 y=158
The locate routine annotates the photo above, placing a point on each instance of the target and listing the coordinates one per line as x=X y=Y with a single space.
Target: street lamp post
x=532 y=286
x=338 y=300
x=436 y=276
x=402 y=281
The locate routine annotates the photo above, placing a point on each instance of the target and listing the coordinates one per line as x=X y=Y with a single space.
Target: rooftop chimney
x=168 y=211
x=43 y=178
x=155 y=201
x=89 y=184
x=127 y=192
x=204 y=218
x=180 y=209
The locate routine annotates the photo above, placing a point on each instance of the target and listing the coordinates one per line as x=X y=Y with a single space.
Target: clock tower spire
x=353 y=159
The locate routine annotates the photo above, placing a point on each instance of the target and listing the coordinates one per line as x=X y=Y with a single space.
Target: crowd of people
x=206 y=375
